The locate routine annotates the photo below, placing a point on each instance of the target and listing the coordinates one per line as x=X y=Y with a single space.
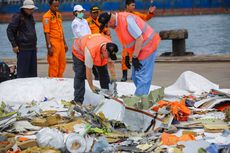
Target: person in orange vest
x=93 y=22
x=80 y=28
x=88 y=51
x=55 y=40
x=130 y=7
x=94 y=27
x=140 y=40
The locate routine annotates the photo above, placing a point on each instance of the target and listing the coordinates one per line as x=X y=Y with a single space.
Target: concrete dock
x=167 y=69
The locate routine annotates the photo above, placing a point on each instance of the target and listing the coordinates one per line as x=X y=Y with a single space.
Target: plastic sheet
x=102 y=146
x=125 y=115
x=22 y=126
x=43 y=89
x=50 y=137
x=117 y=113
x=189 y=83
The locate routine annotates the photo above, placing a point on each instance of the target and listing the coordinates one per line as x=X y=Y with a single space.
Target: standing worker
x=94 y=49
x=55 y=40
x=130 y=7
x=81 y=28
x=22 y=36
x=79 y=25
x=94 y=26
x=139 y=40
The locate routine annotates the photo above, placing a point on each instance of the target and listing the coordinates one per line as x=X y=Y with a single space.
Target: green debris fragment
x=67 y=104
x=145 y=101
x=201 y=150
x=156 y=95
x=97 y=131
x=4 y=112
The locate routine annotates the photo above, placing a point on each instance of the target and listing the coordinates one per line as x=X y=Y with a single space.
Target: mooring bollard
x=178 y=42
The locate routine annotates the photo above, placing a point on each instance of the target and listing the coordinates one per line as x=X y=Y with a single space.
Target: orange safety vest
x=151 y=38
x=93 y=42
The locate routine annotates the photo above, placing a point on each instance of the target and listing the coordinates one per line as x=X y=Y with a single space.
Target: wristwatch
x=49 y=46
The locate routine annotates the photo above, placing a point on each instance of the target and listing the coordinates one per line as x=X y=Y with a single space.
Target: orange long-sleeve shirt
x=94 y=26
x=145 y=17
x=52 y=24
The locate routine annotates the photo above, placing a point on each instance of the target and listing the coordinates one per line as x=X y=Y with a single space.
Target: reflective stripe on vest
x=77 y=49
x=130 y=45
x=93 y=42
x=151 y=39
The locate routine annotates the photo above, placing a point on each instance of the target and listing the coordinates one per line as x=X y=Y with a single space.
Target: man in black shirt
x=22 y=36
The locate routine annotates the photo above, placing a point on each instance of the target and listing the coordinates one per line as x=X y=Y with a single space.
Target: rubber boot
x=124 y=77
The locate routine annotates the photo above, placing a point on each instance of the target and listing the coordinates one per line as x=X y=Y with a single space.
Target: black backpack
x=4 y=72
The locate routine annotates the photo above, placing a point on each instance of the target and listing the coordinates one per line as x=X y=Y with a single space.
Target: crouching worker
x=93 y=49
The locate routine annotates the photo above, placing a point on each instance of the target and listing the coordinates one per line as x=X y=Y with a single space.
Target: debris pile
x=189 y=119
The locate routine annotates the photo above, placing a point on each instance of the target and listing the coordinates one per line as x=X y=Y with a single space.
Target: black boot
x=124 y=77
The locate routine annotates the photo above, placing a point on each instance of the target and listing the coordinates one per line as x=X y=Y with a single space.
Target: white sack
x=24 y=90
x=189 y=83
x=48 y=137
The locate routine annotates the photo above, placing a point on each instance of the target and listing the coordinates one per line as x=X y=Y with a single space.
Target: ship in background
x=164 y=7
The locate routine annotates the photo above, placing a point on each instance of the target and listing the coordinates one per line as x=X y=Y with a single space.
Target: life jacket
x=178 y=109
x=93 y=42
x=151 y=38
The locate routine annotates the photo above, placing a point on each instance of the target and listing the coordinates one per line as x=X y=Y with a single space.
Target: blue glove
x=136 y=64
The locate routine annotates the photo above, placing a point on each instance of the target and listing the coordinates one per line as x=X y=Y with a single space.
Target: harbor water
x=208 y=35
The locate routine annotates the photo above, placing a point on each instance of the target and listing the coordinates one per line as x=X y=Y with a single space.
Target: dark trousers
x=26 y=64
x=80 y=76
x=79 y=80
x=95 y=73
x=103 y=76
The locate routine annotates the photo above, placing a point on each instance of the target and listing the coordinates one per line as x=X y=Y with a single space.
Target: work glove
x=108 y=93
x=115 y=93
x=113 y=88
x=95 y=89
x=127 y=63
x=136 y=64
x=112 y=81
